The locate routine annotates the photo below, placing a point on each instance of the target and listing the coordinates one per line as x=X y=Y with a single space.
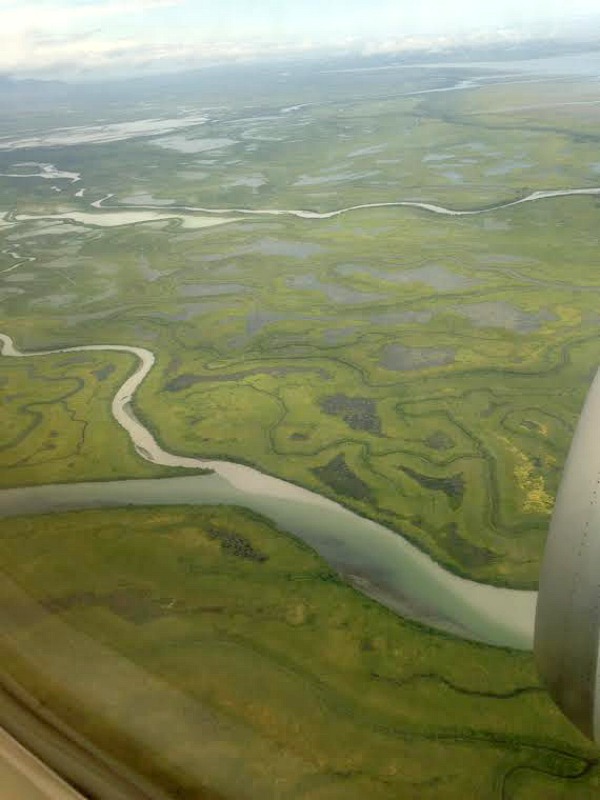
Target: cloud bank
x=83 y=39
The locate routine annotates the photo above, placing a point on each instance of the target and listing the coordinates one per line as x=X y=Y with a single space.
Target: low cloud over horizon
x=83 y=39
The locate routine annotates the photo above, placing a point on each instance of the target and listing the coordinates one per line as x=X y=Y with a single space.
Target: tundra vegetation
x=423 y=369
x=226 y=630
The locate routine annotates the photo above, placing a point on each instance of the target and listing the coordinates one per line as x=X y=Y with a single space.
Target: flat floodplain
x=212 y=623
x=424 y=368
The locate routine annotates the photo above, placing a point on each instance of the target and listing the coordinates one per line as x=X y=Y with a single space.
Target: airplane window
x=299 y=310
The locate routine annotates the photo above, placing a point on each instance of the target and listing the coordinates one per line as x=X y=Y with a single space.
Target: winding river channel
x=377 y=561
x=119 y=214
x=306 y=214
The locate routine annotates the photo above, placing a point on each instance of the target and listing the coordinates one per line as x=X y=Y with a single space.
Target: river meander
x=119 y=214
x=305 y=214
x=377 y=561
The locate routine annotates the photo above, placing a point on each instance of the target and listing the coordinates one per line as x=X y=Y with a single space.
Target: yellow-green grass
x=312 y=690
x=567 y=107
x=57 y=422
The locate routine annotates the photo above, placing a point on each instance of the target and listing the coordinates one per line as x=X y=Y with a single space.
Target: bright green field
x=57 y=424
x=310 y=688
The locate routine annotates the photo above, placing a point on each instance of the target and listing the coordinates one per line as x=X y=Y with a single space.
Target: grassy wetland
x=423 y=369
x=309 y=689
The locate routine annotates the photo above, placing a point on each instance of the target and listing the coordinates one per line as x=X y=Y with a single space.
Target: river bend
x=377 y=561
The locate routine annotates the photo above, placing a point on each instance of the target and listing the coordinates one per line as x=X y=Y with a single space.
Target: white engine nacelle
x=567 y=625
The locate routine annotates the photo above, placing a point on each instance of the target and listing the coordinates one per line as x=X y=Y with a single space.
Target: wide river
x=377 y=561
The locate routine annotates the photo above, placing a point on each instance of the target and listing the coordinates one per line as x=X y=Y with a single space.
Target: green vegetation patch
x=269 y=663
x=57 y=421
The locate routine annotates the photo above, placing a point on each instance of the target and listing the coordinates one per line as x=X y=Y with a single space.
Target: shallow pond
x=506 y=168
x=335 y=335
x=402 y=317
x=285 y=247
x=317 y=180
x=503 y=315
x=251 y=181
x=97 y=134
x=257 y=320
x=184 y=145
x=335 y=293
x=211 y=289
x=434 y=275
x=367 y=151
x=399 y=358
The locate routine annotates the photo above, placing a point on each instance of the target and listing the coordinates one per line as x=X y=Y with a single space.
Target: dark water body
x=188 y=380
x=359 y=413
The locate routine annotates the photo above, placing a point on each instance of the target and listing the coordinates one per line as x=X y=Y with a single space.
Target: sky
x=72 y=38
